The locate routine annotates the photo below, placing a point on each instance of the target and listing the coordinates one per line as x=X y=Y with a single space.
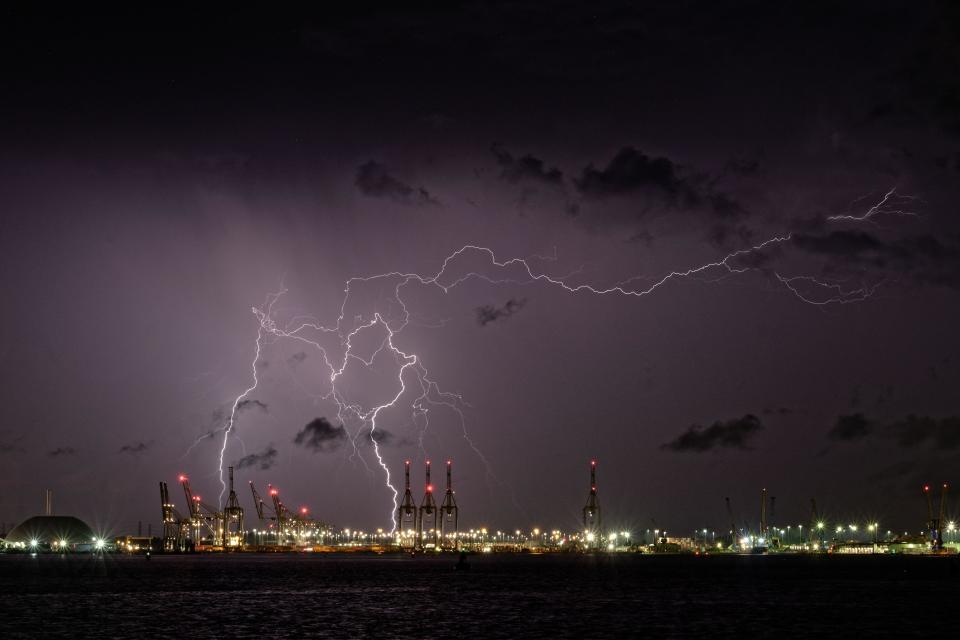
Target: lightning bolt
x=891 y=203
x=236 y=403
x=345 y=330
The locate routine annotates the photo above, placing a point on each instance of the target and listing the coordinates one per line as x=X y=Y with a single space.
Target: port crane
x=176 y=528
x=233 y=531
x=733 y=526
x=407 y=514
x=449 y=515
x=203 y=517
x=935 y=523
x=289 y=523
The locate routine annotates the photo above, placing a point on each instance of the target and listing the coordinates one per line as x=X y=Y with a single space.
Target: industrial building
x=50 y=533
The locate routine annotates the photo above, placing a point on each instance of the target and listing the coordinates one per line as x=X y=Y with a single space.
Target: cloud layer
x=731 y=434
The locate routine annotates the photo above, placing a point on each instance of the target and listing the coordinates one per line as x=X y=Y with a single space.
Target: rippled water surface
x=273 y=596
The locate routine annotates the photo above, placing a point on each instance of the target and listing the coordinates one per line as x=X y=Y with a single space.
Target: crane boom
x=763 y=513
x=257 y=501
x=733 y=526
x=943 y=503
x=192 y=507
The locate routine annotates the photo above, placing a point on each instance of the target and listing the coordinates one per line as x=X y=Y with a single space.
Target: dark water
x=274 y=596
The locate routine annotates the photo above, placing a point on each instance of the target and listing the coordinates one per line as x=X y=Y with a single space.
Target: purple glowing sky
x=159 y=180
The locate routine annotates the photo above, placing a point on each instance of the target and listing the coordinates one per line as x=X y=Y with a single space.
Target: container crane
x=592 y=517
x=289 y=523
x=233 y=531
x=407 y=513
x=176 y=528
x=733 y=526
x=935 y=523
x=428 y=508
x=257 y=502
x=202 y=515
x=449 y=515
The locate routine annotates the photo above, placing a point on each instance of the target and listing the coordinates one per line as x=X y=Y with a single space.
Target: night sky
x=161 y=173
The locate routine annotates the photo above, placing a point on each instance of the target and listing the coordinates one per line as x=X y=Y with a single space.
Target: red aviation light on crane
x=303 y=510
x=182 y=477
x=593 y=463
x=429 y=488
x=196 y=498
x=926 y=487
x=274 y=492
x=428 y=462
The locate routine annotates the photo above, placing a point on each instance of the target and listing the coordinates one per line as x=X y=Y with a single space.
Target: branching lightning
x=892 y=204
x=429 y=393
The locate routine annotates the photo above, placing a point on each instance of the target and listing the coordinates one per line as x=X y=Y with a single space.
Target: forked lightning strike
x=430 y=392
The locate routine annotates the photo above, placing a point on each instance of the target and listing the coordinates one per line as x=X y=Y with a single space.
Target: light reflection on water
x=270 y=596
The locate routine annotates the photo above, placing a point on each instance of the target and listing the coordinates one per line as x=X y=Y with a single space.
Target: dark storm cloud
x=924 y=259
x=732 y=434
x=846 y=244
x=525 y=168
x=320 y=436
x=915 y=430
x=265 y=459
x=62 y=451
x=373 y=181
x=725 y=207
x=297 y=359
x=725 y=235
x=382 y=436
x=631 y=171
x=783 y=411
x=926 y=87
x=851 y=427
x=252 y=404
x=659 y=182
x=388 y=438
x=909 y=432
x=135 y=448
x=10 y=447
x=489 y=313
